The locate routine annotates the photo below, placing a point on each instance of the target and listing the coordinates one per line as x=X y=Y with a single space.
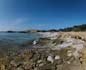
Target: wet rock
x=34 y=42
x=44 y=40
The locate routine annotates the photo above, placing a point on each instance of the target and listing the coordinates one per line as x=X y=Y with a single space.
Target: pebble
x=57 y=57
x=69 y=51
x=39 y=61
x=76 y=54
x=49 y=58
x=69 y=54
x=73 y=46
x=34 y=42
x=41 y=64
x=19 y=69
x=2 y=67
x=68 y=62
x=35 y=69
x=13 y=63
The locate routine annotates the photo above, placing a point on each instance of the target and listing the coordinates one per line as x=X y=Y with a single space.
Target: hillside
x=75 y=28
x=68 y=29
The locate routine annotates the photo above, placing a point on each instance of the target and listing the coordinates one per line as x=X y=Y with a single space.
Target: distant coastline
x=76 y=28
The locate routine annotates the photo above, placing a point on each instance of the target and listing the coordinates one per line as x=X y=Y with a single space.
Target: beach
x=54 y=51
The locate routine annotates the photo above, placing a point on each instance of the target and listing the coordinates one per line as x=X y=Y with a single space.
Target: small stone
x=68 y=62
x=59 y=67
x=39 y=61
x=57 y=57
x=49 y=58
x=73 y=46
x=35 y=69
x=2 y=67
x=81 y=59
x=75 y=54
x=19 y=69
x=41 y=64
x=13 y=63
x=69 y=51
x=34 y=42
x=69 y=54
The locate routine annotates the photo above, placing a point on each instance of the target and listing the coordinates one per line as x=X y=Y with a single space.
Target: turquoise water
x=15 y=39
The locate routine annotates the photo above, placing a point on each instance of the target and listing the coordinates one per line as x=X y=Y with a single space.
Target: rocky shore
x=61 y=51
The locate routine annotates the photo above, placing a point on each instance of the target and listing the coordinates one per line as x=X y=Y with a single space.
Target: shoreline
x=52 y=52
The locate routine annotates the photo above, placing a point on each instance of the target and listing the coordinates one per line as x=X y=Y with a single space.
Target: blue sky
x=41 y=14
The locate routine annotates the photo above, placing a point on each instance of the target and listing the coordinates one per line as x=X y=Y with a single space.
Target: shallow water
x=16 y=39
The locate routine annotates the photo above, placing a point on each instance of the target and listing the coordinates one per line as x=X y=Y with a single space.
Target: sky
x=41 y=14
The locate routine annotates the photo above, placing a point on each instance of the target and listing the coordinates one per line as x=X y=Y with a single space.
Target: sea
x=16 y=39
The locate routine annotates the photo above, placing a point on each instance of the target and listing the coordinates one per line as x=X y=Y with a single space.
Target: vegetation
x=75 y=28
